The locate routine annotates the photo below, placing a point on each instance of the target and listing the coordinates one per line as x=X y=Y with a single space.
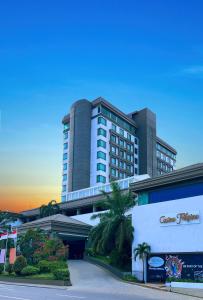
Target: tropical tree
x=29 y=242
x=141 y=251
x=114 y=234
x=52 y=208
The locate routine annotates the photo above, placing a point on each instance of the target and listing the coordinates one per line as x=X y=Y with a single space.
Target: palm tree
x=114 y=233
x=141 y=251
x=52 y=208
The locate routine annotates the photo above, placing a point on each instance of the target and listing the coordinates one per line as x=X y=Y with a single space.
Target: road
x=89 y=283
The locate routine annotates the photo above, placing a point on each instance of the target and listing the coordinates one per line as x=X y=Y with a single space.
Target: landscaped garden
x=39 y=257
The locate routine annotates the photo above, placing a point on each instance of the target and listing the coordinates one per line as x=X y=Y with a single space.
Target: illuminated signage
x=181 y=218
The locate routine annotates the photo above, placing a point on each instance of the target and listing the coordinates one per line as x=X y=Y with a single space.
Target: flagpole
x=6 y=252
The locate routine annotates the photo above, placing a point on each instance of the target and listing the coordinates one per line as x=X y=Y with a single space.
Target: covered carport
x=73 y=233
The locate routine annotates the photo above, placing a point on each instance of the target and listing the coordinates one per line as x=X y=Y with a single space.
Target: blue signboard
x=185 y=266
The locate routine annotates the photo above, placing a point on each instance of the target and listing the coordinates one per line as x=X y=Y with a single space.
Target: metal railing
x=96 y=190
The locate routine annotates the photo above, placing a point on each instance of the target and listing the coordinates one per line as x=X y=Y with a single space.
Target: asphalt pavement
x=89 y=283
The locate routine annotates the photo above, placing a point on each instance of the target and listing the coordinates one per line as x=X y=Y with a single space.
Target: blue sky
x=133 y=53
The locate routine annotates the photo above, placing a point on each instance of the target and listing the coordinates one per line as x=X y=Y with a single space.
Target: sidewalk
x=198 y=293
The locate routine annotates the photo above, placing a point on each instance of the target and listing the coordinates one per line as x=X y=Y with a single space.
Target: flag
x=12 y=255
x=3 y=236
x=12 y=234
x=2 y=256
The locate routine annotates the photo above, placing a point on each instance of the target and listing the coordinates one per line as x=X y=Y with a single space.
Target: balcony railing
x=96 y=190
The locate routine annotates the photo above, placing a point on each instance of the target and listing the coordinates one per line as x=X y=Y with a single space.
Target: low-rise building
x=169 y=217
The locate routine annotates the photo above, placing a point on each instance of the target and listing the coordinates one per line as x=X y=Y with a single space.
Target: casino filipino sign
x=181 y=218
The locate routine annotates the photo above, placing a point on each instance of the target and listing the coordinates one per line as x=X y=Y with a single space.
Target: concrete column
x=94 y=209
x=78 y=211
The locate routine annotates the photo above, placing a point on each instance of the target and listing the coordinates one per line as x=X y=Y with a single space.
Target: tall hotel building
x=101 y=144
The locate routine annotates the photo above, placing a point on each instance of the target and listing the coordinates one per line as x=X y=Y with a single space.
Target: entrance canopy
x=66 y=228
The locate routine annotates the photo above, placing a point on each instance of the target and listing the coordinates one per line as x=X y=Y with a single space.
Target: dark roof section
x=190 y=173
x=60 y=224
x=163 y=143
x=101 y=100
x=58 y=218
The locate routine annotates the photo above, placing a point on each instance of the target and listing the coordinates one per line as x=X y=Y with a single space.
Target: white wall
x=171 y=238
x=86 y=218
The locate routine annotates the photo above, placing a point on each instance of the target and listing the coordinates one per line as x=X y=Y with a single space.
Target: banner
x=12 y=256
x=12 y=234
x=2 y=256
x=3 y=236
x=178 y=265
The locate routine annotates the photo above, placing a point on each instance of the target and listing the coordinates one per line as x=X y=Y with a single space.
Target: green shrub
x=44 y=266
x=9 y=268
x=55 y=265
x=29 y=270
x=50 y=266
x=61 y=274
x=1 y=268
x=130 y=278
x=19 y=264
x=90 y=252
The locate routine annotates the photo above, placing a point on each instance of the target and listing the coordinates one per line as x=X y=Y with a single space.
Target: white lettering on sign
x=181 y=218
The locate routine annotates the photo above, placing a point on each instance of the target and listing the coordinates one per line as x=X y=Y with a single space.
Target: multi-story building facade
x=102 y=144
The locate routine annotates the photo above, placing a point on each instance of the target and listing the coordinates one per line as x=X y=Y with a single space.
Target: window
x=113 y=127
x=129 y=136
x=101 y=154
x=101 y=120
x=101 y=143
x=121 y=131
x=65 y=156
x=101 y=131
x=128 y=157
x=121 y=175
x=128 y=168
x=114 y=161
x=64 y=188
x=113 y=172
x=99 y=109
x=114 y=150
x=128 y=147
x=101 y=167
x=113 y=138
x=136 y=151
x=66 y=126
x=122 y=164
x=122 y=154
x=64 y=177
x=63 y=198
x=65 y=166
x=136 y=161
x=121 y=142
x=65 y=146
x=136 y=171
x=66 y=135
x=135 y=141
x=101 y=178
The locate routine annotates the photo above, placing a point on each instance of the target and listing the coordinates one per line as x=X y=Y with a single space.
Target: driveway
x=93 y=282
x=89 y=283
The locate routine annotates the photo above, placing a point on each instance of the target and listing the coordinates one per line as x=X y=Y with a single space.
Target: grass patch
x=45 y=276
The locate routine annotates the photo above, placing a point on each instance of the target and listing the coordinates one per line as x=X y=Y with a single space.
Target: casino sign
x=181 y=218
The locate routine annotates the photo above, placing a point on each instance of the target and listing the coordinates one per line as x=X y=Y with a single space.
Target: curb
x=35 y=285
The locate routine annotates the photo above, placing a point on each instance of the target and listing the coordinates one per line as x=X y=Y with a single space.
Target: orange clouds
x=18 y=198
